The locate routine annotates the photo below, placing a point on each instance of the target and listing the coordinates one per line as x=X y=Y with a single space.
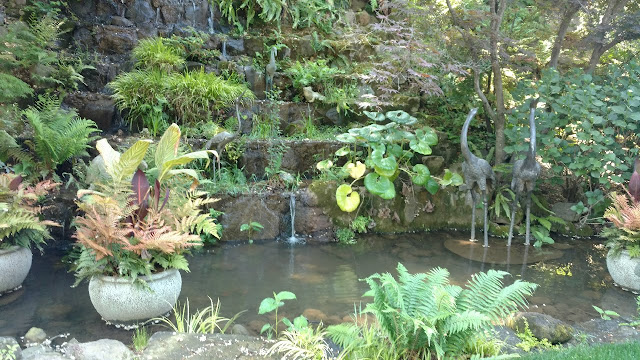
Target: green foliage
x=390 y=148
x=303 y=13
x=154 y=53
x=604 y=314
x=13 y=88
x=253 y=227
x=140 y=338
x=228 y=181
x=529 y=341
x=303 y=343
x=205 y=321
x=155 y=91
x=268 y=305
x=58 y=135
x=588 y=126
x=194 y=47
x=20 y=212
x=314 y=73
x=629 y=350
x=275 y=154
x=624 y=214
x=345 y=236
x=423 y=315
x=8 y=352
x=361 y=224
x=636 y=320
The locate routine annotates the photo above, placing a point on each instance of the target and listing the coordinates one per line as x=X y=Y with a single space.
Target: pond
x=325 y=279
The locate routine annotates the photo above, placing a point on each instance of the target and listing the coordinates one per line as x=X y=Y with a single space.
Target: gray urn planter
x=15 y=263
x=119 y=300
x=624 y=270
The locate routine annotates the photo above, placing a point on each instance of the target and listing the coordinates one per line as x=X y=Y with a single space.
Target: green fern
x=58 y=135
x=423 y=314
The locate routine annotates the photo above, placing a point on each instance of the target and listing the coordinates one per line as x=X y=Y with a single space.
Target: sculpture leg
x=486 y=223
x=528 y=219
x=473 y=217
x=513 y=219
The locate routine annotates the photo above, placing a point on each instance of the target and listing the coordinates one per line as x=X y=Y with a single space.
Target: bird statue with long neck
x=525 y=174
x=634 y=183
x=271 y=70
x=478 y=174
x=221 y=139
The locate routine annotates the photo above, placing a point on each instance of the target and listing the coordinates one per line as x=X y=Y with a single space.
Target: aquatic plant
x=423 y=315
x=205 y=321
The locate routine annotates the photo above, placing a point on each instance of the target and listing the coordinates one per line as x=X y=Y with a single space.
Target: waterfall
x=157 y=16
x=211 y=31
x=224 y=57
x=193 y=3
x=292 y=209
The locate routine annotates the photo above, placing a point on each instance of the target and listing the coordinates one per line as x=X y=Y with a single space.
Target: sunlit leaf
x=356 y=170
x=347 y=199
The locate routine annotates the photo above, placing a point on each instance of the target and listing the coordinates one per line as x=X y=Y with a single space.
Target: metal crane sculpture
x=271 y=69
x=634 y=183
x=525 y=174
x=477 y=175
x=221 y=139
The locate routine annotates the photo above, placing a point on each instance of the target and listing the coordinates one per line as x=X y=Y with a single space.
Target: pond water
x=325 y=280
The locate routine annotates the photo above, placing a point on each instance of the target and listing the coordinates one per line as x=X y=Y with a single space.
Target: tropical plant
x=20 y=222
x=57 y=135
x=252 y=227
x=135 y=229
x=624 y=214
x=423 y=315
x=529 y=341
x=389 y=151
x=272 y=304
x=154 y=53
x=305 y=343
x=205 y=321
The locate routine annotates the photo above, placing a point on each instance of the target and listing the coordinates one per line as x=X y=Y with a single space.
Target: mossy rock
x=498 y=230
x=571 y=229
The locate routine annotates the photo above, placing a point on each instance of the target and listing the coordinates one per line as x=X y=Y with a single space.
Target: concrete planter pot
x=624 y=270
x=15 y=263
x=121 y=301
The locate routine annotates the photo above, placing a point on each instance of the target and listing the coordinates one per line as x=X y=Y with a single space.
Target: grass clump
x=630 y=350
x=205 y=321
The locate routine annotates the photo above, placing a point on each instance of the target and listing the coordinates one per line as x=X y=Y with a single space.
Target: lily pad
x=422 y=174
x=347 y=199
x=380 y=185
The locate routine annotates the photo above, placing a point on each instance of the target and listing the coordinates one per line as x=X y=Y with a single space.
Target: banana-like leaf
x=129 y=161
x=181 y=160
x=168 y=146
x=109 y=156
x=347 y=199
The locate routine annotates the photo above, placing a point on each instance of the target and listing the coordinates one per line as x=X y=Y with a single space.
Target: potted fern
x=132 y=236
x=623 y=258
x=20 y=227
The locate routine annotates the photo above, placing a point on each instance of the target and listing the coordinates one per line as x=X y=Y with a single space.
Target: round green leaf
x=346 y=138
x=422 y=174
x=324 y=165
x=420 y=147
x=432 y=186
x=386 y=166
x=401 y=117
x=347 y=199
x=379 y=185
x=428 y=135
x=343 y=151
x=375 y=116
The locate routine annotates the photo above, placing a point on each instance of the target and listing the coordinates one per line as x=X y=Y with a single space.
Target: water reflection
x=325 y=279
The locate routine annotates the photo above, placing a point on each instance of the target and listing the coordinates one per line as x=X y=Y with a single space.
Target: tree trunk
x=562 y=32
x=601 y=46
x=499 y=121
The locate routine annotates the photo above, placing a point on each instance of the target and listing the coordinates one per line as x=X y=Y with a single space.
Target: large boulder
x=94 y=106
x=10 y=345
x=247 y=209
x=115 y=40
x=564 y=212
x=543 y=326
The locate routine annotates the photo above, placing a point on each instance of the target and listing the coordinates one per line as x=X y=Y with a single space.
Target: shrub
x=422 y=315
x=153 y=53
x=588 y=127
